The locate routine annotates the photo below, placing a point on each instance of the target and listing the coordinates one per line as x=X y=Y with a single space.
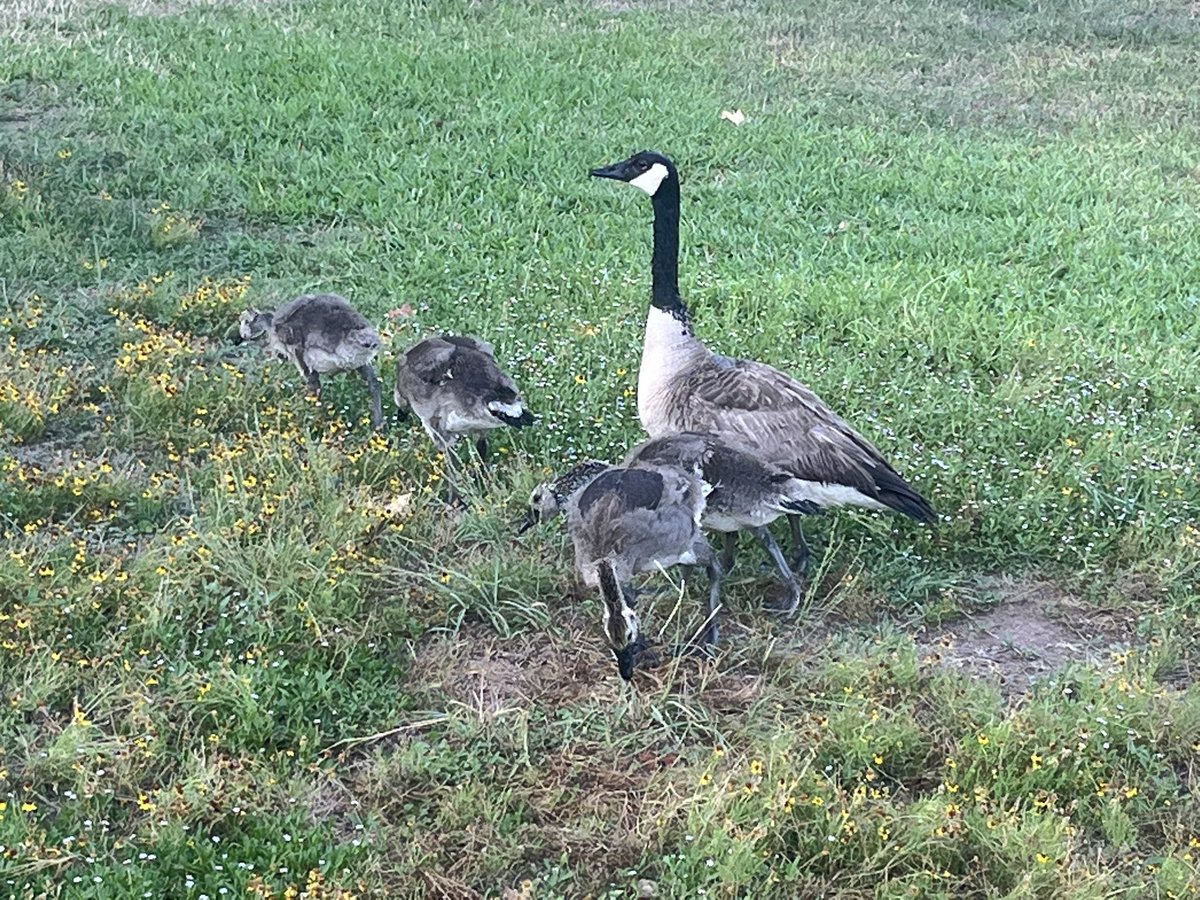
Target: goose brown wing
x=768 y=413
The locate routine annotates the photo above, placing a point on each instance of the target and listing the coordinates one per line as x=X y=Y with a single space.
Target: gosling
x=455 y=386
x=320 y=333
x=629 y=520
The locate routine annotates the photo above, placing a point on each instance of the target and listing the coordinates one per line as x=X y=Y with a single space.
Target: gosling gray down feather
x=455 y=386
x=629 y=520
x=744 y=494
x=320 y=333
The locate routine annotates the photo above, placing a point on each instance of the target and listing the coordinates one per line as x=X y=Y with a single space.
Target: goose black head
x=646 y=169
x=253 y=324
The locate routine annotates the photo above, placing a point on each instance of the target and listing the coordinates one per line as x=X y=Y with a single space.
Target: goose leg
x=728 y=548
x=313 y=379
x=368 y=375
x=713 y=632
x=790 y=578
x=450 y=469
x=703 y=646
x=801 y=555
x=481 y=447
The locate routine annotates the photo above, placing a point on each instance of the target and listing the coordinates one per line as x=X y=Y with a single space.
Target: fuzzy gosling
x=320 y=333
x=457 y=389
x=632 y=520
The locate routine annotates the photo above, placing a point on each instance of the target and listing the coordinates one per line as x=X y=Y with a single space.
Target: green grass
x=245 y=648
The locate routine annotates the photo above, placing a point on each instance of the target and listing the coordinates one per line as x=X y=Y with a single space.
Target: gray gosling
x=320 y=333
x=632 y=520
x=744 y=494
x=455 y=386
x=684 y=386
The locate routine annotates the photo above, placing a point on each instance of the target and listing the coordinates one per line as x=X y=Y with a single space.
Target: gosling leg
x=801 y=555
x=728 y=548
x=368 y=375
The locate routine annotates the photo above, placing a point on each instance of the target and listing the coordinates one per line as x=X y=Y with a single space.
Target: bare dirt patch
x=489 y=675
x=1035 y=629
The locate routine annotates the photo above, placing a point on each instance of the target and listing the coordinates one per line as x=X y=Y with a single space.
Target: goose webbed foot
x=786 y=572
x=787 y=607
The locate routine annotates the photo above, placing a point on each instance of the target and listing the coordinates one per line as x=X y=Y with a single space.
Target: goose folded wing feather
x=783 y=421
x=470 y=343
x=431 y=360
x=739 y=387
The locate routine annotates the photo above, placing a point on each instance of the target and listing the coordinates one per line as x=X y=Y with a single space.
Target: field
x=246 y=647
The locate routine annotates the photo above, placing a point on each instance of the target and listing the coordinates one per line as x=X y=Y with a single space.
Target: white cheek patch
x=649 y=180
x=516 y=410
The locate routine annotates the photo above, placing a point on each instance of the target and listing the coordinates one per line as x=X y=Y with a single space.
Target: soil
x=1034 y=630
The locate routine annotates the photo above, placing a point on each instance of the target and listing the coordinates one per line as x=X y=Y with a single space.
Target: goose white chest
x=669 y=350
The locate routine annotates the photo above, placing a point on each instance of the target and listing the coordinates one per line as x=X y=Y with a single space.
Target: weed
x=247 y=647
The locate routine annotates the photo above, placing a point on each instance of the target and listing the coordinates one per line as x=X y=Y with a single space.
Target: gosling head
x=253 y=324
x=550 y=497
x=620 y=622
x=544 y=504
x=646 y=170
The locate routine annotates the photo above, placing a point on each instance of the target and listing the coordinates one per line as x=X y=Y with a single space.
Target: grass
x=244 y=647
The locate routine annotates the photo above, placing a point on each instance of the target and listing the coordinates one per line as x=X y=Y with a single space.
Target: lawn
x=246 y=648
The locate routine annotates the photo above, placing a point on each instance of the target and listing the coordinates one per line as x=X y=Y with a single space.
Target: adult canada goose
x=636 y=519
x=684 y=386
x=320 y=333
x=744 y=494
x=455 y=386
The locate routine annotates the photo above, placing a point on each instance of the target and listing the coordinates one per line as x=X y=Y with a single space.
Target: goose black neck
x=664 y=265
